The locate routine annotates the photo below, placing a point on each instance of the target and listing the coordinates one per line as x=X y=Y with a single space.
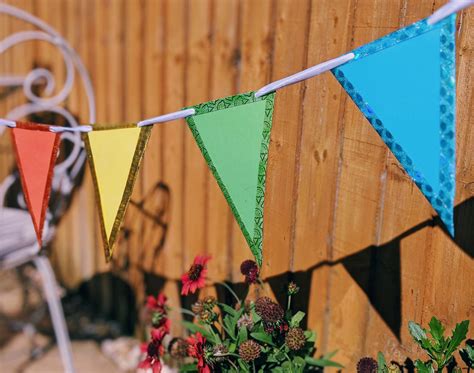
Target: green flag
x=233 y=134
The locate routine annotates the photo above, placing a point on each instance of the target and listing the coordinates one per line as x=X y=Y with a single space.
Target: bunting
x=404 y=84
x=36 y=150
x=233 y=134
x=114 y=155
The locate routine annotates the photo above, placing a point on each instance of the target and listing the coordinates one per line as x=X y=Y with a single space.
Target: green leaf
x=436 y=329
x=242 y=336
x=287 y=366
x=329 y=355
x=417 y=332
x=322 y=362
x=459 y=335
x=422 y=367
x=296 y=319
x=299 y=364
x=255 y=317
x=262 y=337
x=188 y=368
x=227 y=309
x=381 y=362
x=193 y=328
x=310 y=335
x=467 y=354
x=229 y=326
x=244 y=365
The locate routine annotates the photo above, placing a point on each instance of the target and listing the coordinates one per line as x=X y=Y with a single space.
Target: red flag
x=36 y=150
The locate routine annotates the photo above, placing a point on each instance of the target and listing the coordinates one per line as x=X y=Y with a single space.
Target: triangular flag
x=233 y=134
x=404 y=84
x=36 y=151
x=114 y=154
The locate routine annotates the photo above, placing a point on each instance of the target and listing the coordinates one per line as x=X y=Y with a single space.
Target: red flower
x=153 y=350
x=151 y=363
x=196 y=276
x=196 y=349
x=157 y=304
x=158 y=311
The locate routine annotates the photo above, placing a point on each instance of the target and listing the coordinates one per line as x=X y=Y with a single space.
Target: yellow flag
x=114 y=154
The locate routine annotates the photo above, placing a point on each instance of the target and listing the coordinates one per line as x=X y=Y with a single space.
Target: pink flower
x=195 y=278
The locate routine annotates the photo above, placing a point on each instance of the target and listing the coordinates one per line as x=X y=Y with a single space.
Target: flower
x=151 y=363
x=250 y=270
x=245 y=321
x=157 y=304
x=249 y=350
x=197 y=307
x=209 y=302
x=154 y=349
x=367 y=365
x=207 y=316
x=393 y=369
x=157 y=308
x=196 y=276
x=293 y=289
x=196 y=349
x=295 y=339
x=178 y=348
x=268 y=310
x=219 y=352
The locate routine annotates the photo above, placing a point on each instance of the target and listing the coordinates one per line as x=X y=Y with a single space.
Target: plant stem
x=187 y=312
x=232 y=363
x=289 y=302
x=230 y=291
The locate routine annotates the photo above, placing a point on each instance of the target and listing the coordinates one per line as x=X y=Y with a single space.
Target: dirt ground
x=23 y=350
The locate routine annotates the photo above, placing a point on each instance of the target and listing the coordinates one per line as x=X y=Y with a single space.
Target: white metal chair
x=18 y=243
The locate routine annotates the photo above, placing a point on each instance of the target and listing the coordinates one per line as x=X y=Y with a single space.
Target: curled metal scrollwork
x=52 y=98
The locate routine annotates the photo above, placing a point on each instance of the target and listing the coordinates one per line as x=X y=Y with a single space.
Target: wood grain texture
x=341 y=215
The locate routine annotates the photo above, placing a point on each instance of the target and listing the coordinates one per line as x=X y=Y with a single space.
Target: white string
x=446 y=10
x=305 y=74
x=8 y=123
x=167 y=117
x=57 y=129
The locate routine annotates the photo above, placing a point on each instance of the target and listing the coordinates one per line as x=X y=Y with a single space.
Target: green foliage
x=439 y=348
x=235 y=326
x=467 y=354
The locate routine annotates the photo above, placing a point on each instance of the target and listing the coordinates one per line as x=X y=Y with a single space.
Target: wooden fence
x=341 y=216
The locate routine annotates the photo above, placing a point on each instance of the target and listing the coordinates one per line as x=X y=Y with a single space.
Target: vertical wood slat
x=359 y=197
x=320 y=149
x=225 y=38
x=256 y=42
x=290 y=38
x=333 y=189
x=170 y=261
x=195 y=179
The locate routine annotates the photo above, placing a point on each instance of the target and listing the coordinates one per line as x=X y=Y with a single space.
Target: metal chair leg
x=56 y=311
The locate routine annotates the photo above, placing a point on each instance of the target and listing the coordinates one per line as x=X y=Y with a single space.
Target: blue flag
x=404 y=84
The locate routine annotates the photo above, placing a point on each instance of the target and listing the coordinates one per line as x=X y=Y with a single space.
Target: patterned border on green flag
x=226 y=103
